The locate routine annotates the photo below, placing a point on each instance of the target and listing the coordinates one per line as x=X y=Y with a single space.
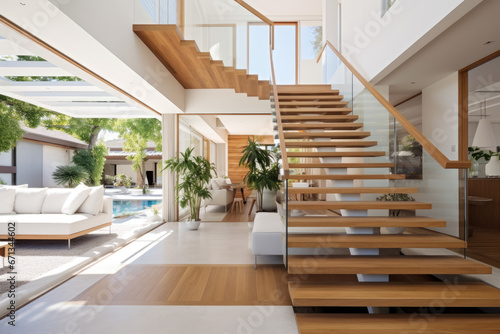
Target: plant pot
x=268 y=200
x=193 y=224
x=474 y=169
x=154 y=218
x=492 y=168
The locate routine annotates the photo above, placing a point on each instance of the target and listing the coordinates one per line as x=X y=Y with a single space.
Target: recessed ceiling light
x=488 y=42
x=413 y=82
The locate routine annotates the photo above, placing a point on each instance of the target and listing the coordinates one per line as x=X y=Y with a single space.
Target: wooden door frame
x=463 y=104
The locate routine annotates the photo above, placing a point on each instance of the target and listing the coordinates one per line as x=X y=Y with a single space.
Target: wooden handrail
x=284 y=156
x=426 y=144
x=262 y=17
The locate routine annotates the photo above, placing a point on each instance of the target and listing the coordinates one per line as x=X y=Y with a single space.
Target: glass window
x=6 y=178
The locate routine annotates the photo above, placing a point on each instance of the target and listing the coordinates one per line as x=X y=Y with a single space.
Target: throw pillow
x=29 y=200
x=75 y=200
x=215 y=184
x=55 y=200
x=93 y=203
x=7 y=198
x=220 y=181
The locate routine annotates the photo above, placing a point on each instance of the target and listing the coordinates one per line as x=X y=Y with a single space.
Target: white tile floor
x=213 y=243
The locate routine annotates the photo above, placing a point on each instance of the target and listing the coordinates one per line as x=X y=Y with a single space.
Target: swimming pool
x=121 y=207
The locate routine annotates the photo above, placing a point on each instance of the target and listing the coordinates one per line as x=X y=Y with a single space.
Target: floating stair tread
x=313 y=103
x=335 y=154
x=318 y=118
x=324 y=126
x=346 y=143
x=380 y=265
x=396 y=294
x=343 y=165
x=339 y=221
x=374 y=241
x=347 y=177
x=306 y=111
x=305 y=89
x=336 y=135
x=358 y=205
x=352 y=190
x=301 y=97
x=320 y=323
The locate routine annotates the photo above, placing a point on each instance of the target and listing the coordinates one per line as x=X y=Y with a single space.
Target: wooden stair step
x=335 y=154
x=337 y=143
x=319 y=111
x=374 y=241
x=343 y=165
x=358 y=205
x=339 y=221
x=324 y=126
x=395 y=294
x=318 y=118
x=347 y=177
x=332 y=135
x=310 y=97
x=382 y=265
x=313 y=103
x=328 y=323
x=352 y=190
x=305 y=89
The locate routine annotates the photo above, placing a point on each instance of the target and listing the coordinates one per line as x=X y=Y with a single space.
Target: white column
x=169 y=144
x=331 y=22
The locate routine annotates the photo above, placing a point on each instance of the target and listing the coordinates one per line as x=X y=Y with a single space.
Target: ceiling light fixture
x=488 y=42
x=484 y=136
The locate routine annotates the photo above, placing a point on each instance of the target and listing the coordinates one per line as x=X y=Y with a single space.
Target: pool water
x=121 y=207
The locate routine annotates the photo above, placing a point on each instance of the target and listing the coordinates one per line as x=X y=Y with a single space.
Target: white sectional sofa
x=54 y=214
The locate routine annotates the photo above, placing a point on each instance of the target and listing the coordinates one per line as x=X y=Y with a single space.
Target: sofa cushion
x=75 y=200
x=214 y=185
x=93 y=203
x=54 y=200
x=29 y=200
x=7 y=199
x=52 y=224
x=14 y=187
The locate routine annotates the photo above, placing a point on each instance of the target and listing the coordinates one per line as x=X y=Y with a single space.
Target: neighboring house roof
x=112 y=154
x=44 y=135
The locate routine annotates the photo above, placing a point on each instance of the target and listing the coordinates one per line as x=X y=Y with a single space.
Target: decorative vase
x=474 y=169
x=192 y=224
x=268 y=200
x=492 y=168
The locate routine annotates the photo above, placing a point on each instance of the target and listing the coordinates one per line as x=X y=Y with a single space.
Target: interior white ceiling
x=259 y=125
x=457 y=47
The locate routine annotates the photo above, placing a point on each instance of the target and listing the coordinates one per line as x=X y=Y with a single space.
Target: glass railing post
x=286 y=223
x=395 y=146
x=465 y=209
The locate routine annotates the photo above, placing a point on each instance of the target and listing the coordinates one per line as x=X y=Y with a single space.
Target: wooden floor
x=197 y=285
x=484 y=246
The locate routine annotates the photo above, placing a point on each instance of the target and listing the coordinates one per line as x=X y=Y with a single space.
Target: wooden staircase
x=316 y=124
x=195 y=69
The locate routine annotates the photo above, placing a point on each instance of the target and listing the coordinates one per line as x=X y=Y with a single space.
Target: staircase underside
x=194 y=69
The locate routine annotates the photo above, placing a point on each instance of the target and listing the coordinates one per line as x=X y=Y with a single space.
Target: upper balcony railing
x=220 y=28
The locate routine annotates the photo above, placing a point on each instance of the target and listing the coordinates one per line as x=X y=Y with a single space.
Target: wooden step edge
x=339 y=221
x=394 y=294
x=365 y=154
x=352 y=190
x=326 y=323
x=346 y=144
x=343 y=165
x=347 y=177
x=358 y=205
x=386 y=265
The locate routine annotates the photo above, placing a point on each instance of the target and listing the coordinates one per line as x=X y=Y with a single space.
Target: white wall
x=377 y=45
x=289 y=10
x=127 y=170
x=440 y=115
x=222 y=101
x=53 y=157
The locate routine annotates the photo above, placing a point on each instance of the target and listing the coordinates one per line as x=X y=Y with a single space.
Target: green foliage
x=122 y=180
x=146 y=128
x=194 y=173
x=476 y=153
x=70 y=176
x=44 y=78
x=99 y=153
x=263 y=166
x=85 y=160
x=395 y=198
x=317 y=42
x=10 y=131
x=2 y=181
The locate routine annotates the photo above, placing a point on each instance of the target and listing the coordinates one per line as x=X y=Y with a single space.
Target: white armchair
x=220 y=196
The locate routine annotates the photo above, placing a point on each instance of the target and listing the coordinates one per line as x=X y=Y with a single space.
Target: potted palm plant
x=263 y=173
x=194 y=174
x=396 y=213
x=69 y=176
